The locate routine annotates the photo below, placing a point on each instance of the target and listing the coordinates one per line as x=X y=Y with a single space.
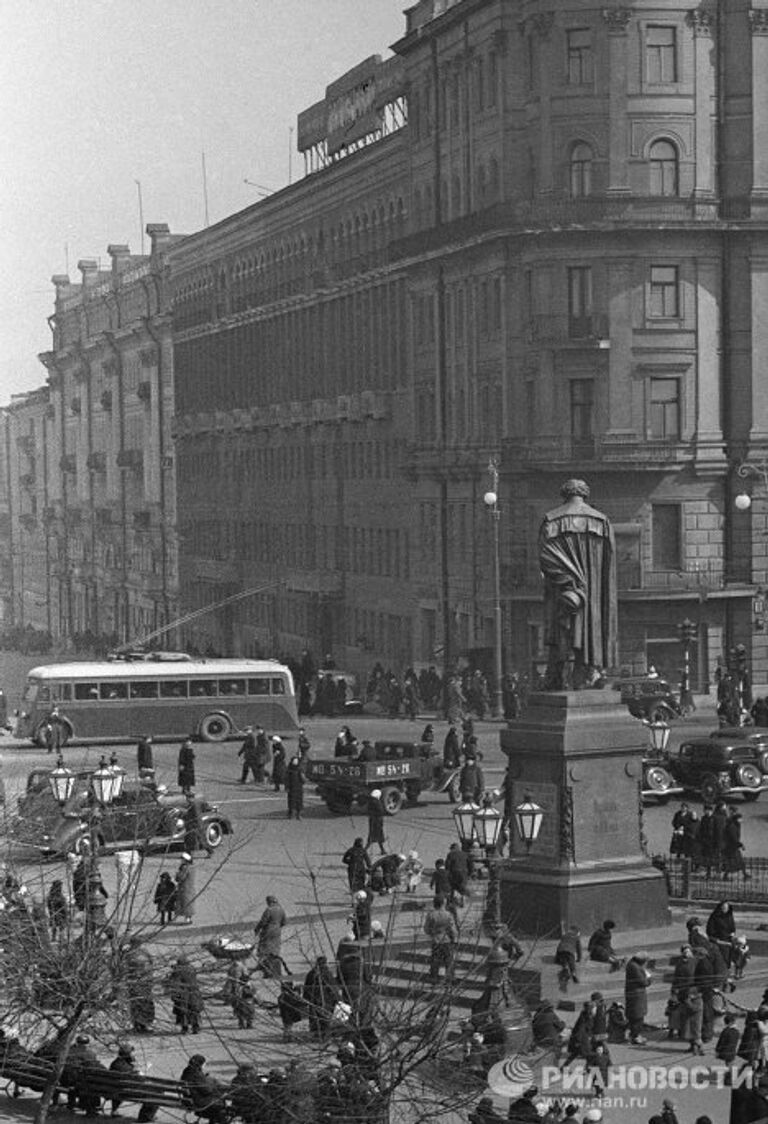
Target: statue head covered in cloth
x=578 y=564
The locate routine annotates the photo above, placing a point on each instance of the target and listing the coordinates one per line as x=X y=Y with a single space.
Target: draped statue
x=578 y=564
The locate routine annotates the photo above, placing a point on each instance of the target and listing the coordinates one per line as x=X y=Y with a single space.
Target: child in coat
x=740 y=954
x=165 y=898
x=412 y=871
x=728 y=1042
x=243 y=1000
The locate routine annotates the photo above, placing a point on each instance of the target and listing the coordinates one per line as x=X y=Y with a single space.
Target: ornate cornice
x=617 y=19
x=758 y=21
x=701 y=22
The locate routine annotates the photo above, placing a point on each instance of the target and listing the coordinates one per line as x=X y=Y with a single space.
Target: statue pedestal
x=579 y=754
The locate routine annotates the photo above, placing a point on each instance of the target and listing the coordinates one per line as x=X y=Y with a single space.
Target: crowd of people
x=710 y=842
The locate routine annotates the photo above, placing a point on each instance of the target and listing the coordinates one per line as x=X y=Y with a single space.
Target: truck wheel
x=391 y=800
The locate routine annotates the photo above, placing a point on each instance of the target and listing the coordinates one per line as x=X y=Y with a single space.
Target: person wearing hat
x=138 y=967
x=80 y=1059
x=367 y=751
x=471 y=779
x=269 y=934
x=600 y=946
x=185 y=889
x=375 y=821
x=186 y=767
x=443 y=934
x=361 y=920
x=320 y=997
x=412 y=872
x=185 y=995
x=451 y=748
x=733 y=848
x=524 y=1108
x=696 y=938
x=125 y=1062
x=205 y=1092
x=358 y=865
x=250 y=756
x=247 y=1093
x=144 y=759
x=682 y=981
x=636 y=981
x=547 y=1026
x=278 y=762
x=294 y=788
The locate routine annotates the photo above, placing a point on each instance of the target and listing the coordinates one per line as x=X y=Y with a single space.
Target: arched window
x=581 y=170
x=665 y=168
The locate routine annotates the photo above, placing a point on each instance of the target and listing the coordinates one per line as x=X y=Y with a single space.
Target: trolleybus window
x=114 y=689
x=278 y=686
x=231 y=686
x=143 y=690
x=173 y=688
x=86 y=692
x=258 y=686
x=203 y=687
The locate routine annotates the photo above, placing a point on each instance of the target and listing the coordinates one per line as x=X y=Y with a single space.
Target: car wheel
x=215 y=728
x=749 y=776
x=710 y=789
x=391 y=800
x=657 y=780
x=213 y=834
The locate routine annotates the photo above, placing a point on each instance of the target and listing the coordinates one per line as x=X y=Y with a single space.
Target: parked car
x=143 y=817
x=658 y=782
x=715 y=768
x=649 y=697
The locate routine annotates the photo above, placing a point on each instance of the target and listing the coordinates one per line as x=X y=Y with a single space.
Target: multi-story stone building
x=539 y=232
x=90 y=458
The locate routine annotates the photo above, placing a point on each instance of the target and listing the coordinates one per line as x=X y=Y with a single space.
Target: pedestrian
x=636 y=982
x=185 y=995
x=186 y=769
x=185 y=889
x=451 y=748
x=195 y=838
x=679 y=821
x=243 y=999
x=682 y=981
x=428 y=734
x=124 y=1063
x=668 y=1115
x=733 y=857
x=440 y=882
x=692 y=1022
x=291 y=1008
x=375 y=821
x=580 y=1038
x=304 y=745
x=294 y=787
x=618 y=1024
x=205 y=1092
x=719 y=821
x=696 y=938
x=320 y=997
x=358 y=865
x=361 y=918
x=440 y=927
x=547 y=1027
x=412 y=872
x=250 y=756
x=471 y=780
x=58 y=911
x=165 y=898
x=740 y=955
x=457 y=865
x=710 y=977
x=691 y=847
x=721 y=928
x=55 y=731
x=386 y=873
x=728 y=1042
x=599 y=1064
x=705 y=851
x=144 y=757
x=139 y=972
x=278 y=762
x=269 y=933
x=352 y=972
x=568 y=954
x=600 y=946
x=261 y=755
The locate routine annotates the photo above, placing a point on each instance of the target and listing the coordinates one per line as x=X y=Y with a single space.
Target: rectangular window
x=174 y=688
x=278 y=686
x=231 y=686
x=664 y=417
x=661 y=56
x=203 y=688
x=144 y=690
x=583 y=415
x=666 y=536
x=579 y=302
x=113 y=690
x=664 y=295
x=86 y=692
x=579 y=43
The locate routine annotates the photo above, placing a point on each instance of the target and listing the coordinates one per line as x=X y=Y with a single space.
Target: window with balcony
x=666 y=536
x=581 y=171
x=660 y=55
x=664 y=293
x=579 y=302
x=664 y=168
x=579 y=56
x=664 y=410
x=583 y=416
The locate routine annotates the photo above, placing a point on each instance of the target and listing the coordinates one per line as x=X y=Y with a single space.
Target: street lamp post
x=528 y=820
x=491 y=501
x=658 y=737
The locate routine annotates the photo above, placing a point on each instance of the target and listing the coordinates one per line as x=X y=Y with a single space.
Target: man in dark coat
x=440 y=927
x=205 y=1092
x=320 y=996
x=568 y=954
x=358 y=865
x=80 y=1059
x=269 y=932
x=547 y=1026
x=451 y=748
x=375 y=821
x=185 y=995
x=636 y=982
x=719 y=821
x=457 y=865
x=600 y=947
x=125 y=1062
x=294 y=788
x=250 y=756
x=733 y=857
x=186 y=772
x=706 y=841
x=471 y=780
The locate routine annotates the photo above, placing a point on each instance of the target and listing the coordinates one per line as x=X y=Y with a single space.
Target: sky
x=98 y=94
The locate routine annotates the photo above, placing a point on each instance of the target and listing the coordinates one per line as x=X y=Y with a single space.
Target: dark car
x=649 y=697
x=717 y=767
x=755 y=736
x=658 y=782
x=143 y=817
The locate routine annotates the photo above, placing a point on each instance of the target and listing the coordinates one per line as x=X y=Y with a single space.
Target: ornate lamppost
x=491 y=501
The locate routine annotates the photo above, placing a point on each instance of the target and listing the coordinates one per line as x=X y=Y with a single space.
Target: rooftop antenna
x=141 y=216
x=205 y=191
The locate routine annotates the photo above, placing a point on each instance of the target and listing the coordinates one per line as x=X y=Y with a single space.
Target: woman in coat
x=294 y=787
x=186 y=770
x=320 y=997
x=636 y=981
x=358 y=865
x=721 y=928
x=278 y=762
x=185 y=889
x=185 y=995
x=269 y=933
x=691 y=1024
